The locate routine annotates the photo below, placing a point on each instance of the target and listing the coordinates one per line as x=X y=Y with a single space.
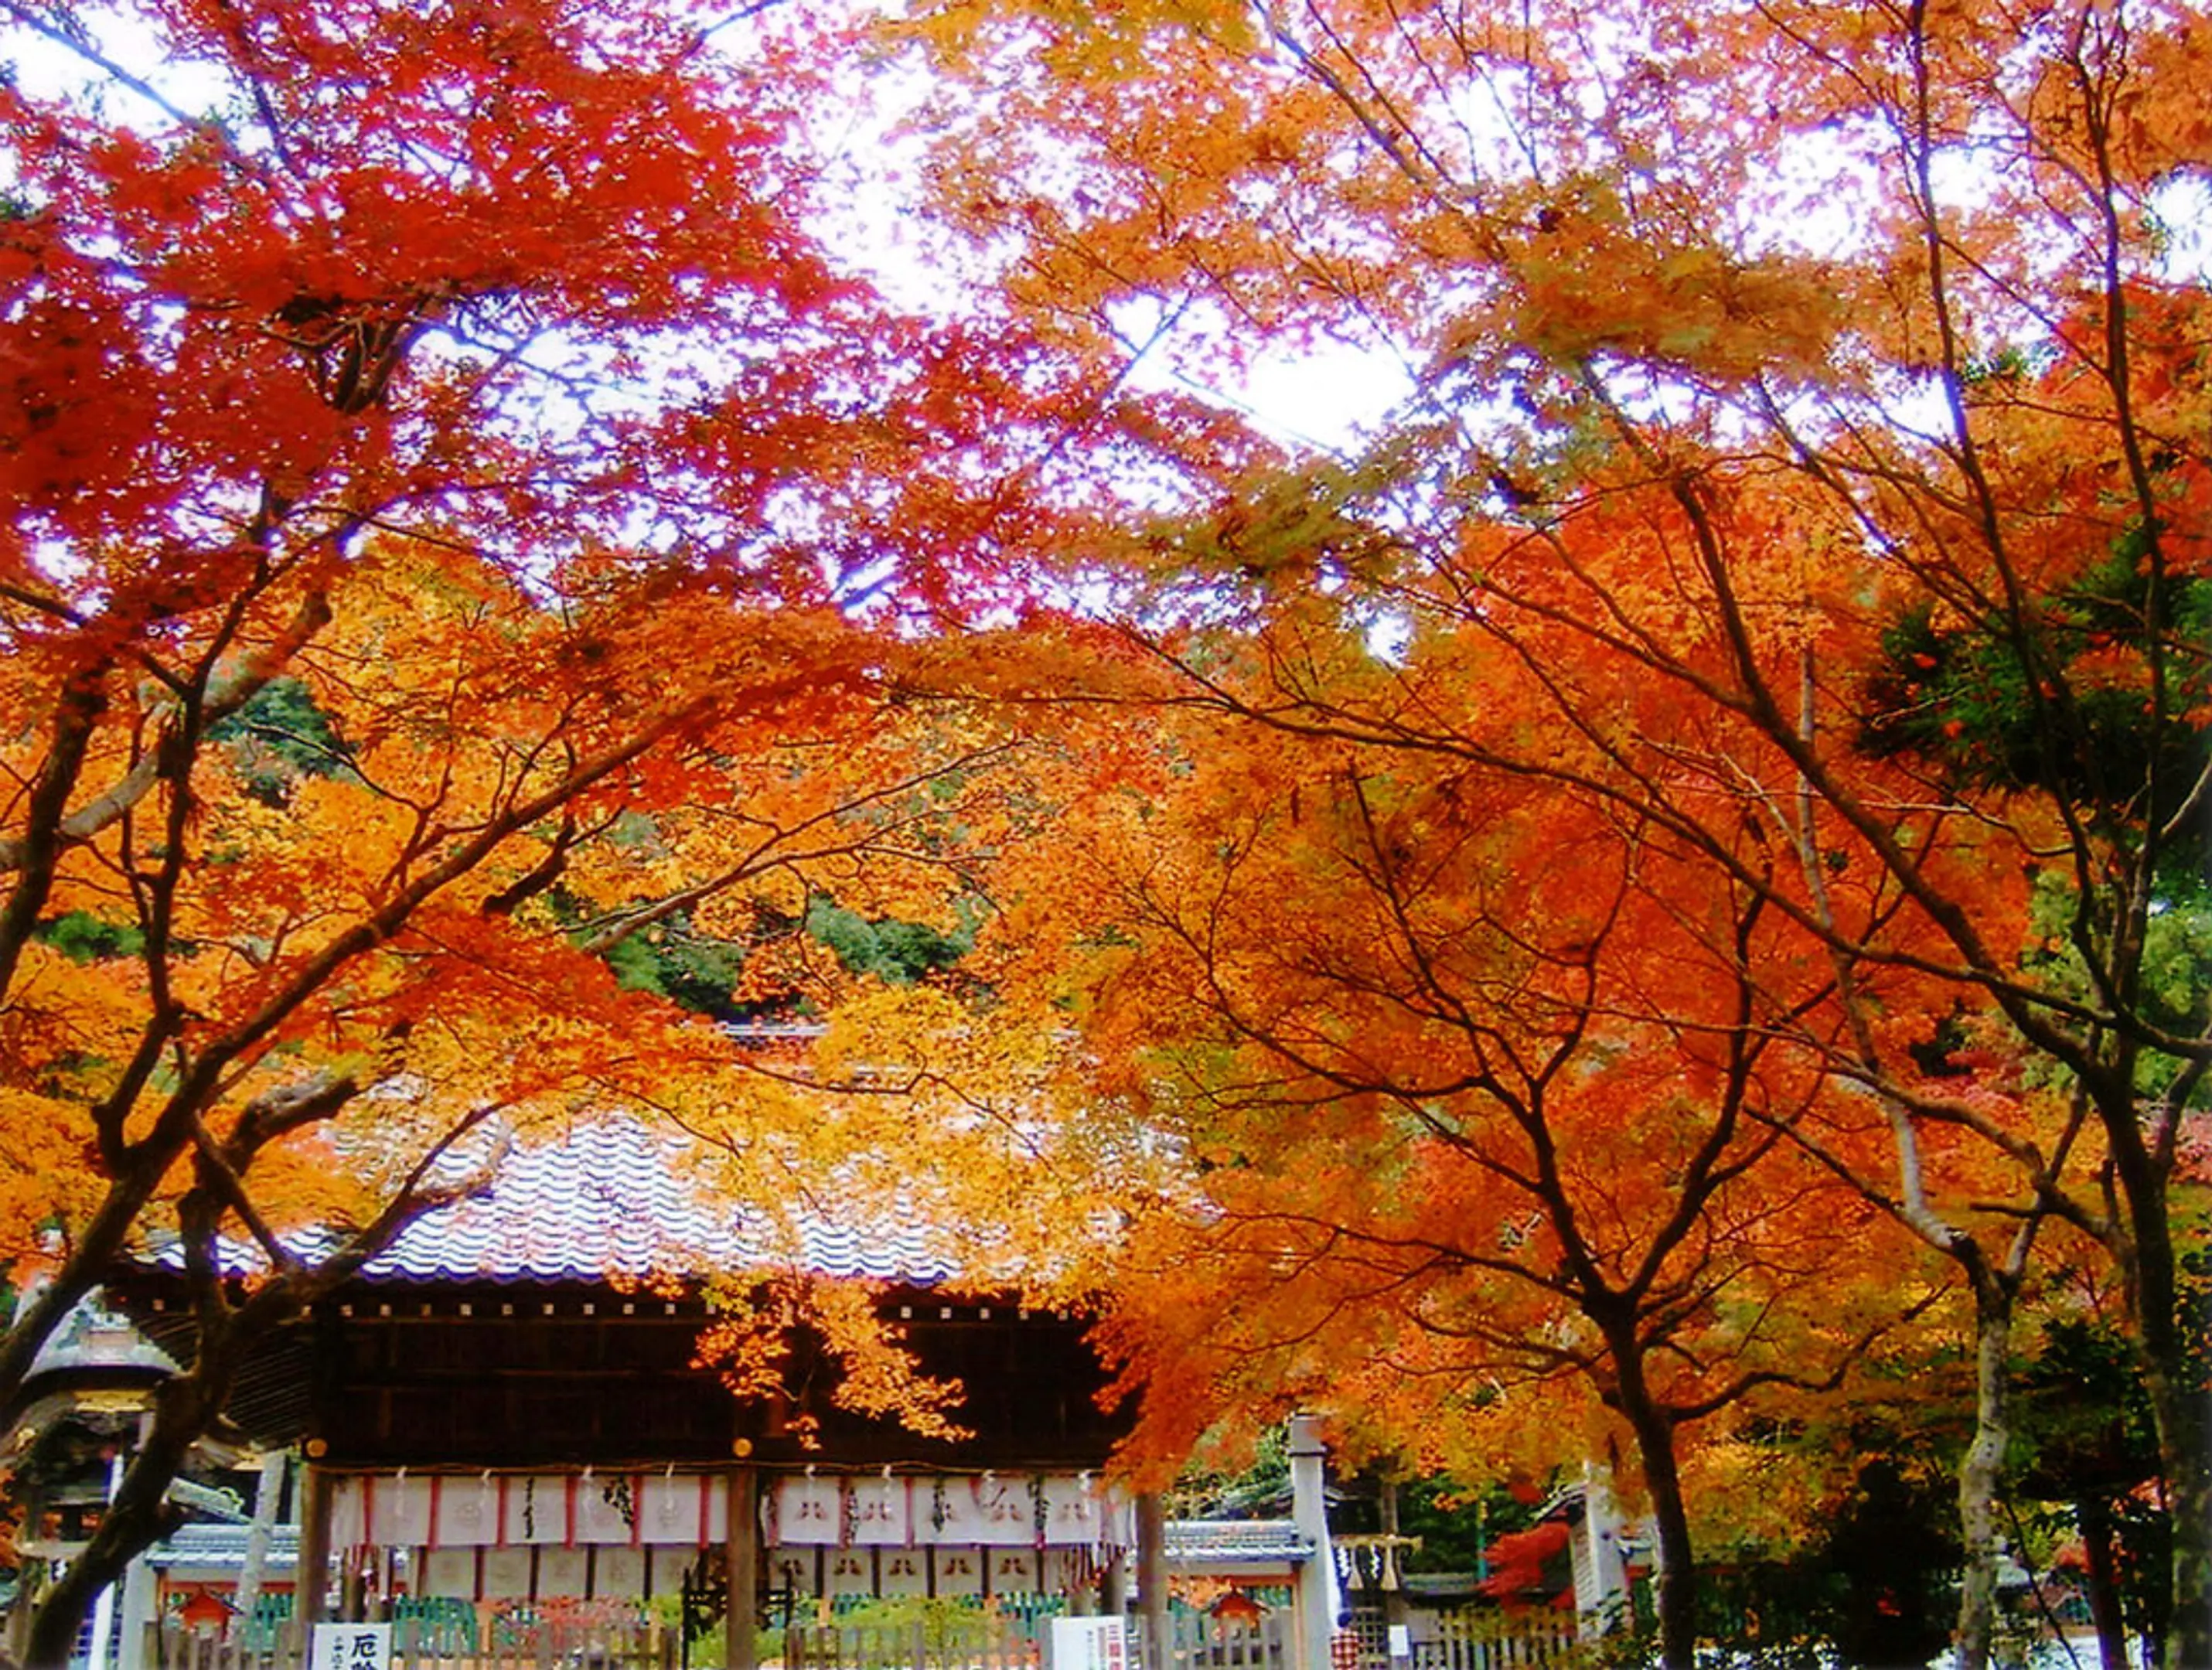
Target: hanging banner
x=618 y=1573
x=466 y=1515
x=852 y=1571
x=674 y=1509
x=1074 y=1517
x=606 y=1507
x=1006 y=1511
x=1013 y=1570
x=449 y=1572
x=507 y=1574
x=1117 y=1518
x=563 y=1572
x=399 y=1511
x=903 y=1572
x=880 y=1512
x=349 y=1511
x=665 y=1509
x=808 y=1511
x=793 y=1570
x=946 y=1511
x=958 y=1570
x=537 y=1508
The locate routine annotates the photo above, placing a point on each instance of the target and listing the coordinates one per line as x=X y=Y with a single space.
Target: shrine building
x=507 y=1406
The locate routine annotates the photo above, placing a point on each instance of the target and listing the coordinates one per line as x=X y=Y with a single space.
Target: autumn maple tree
x=1804 y=432
x=1724 y=765
x=1492 y=1101
x=464 y=528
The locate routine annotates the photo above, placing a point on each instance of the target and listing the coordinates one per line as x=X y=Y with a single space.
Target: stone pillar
x=741 y=1570
x=1113 y=1587
x=1317 y=1597
x=311 y=1581
x=139 y=1585
x=1602 y=1607
x=1153 y=1581
x=103 y=1609
x=266 y=1497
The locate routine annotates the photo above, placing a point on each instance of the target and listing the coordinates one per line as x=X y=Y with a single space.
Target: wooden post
x=740 y=1567
x=1113 y=1588
x=311 y=1581
x=1153 y=1581
x=1394 y=1566
x=1316 y=1587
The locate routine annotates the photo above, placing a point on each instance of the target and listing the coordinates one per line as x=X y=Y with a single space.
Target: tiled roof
x=1209 y=1541
x=92 y=1338
x=613 y=1199
x=224 y=1546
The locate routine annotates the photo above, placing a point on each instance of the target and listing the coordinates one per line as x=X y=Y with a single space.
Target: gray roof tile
x=614 y=1198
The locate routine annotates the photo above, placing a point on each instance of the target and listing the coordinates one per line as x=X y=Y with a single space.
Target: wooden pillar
x=311 y=1581
x=1153 y=1581
x=741 y=1570
x=1394 y=1618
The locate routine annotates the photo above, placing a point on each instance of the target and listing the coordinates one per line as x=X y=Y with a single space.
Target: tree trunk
x=1654 y=1429
x=1678 y=1571
x=2185 y=1452
x=2094 y=1519
x=2173 y=1379
x=1977 y=1473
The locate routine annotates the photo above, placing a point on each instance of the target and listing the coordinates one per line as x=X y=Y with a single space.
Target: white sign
x=1090 y=1643
x=351 y=1647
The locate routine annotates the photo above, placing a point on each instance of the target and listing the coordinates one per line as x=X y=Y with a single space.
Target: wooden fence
x=1201 y=1643
x=284 y=1647
x=982 y=1642
x=1492 y=1640
x=578 y=1641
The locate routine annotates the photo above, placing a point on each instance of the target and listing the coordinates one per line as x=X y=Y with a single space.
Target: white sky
x=1325 y=397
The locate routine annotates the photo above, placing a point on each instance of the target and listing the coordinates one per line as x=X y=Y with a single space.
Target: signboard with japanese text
x=1090 y=1643
x=350 y=1647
